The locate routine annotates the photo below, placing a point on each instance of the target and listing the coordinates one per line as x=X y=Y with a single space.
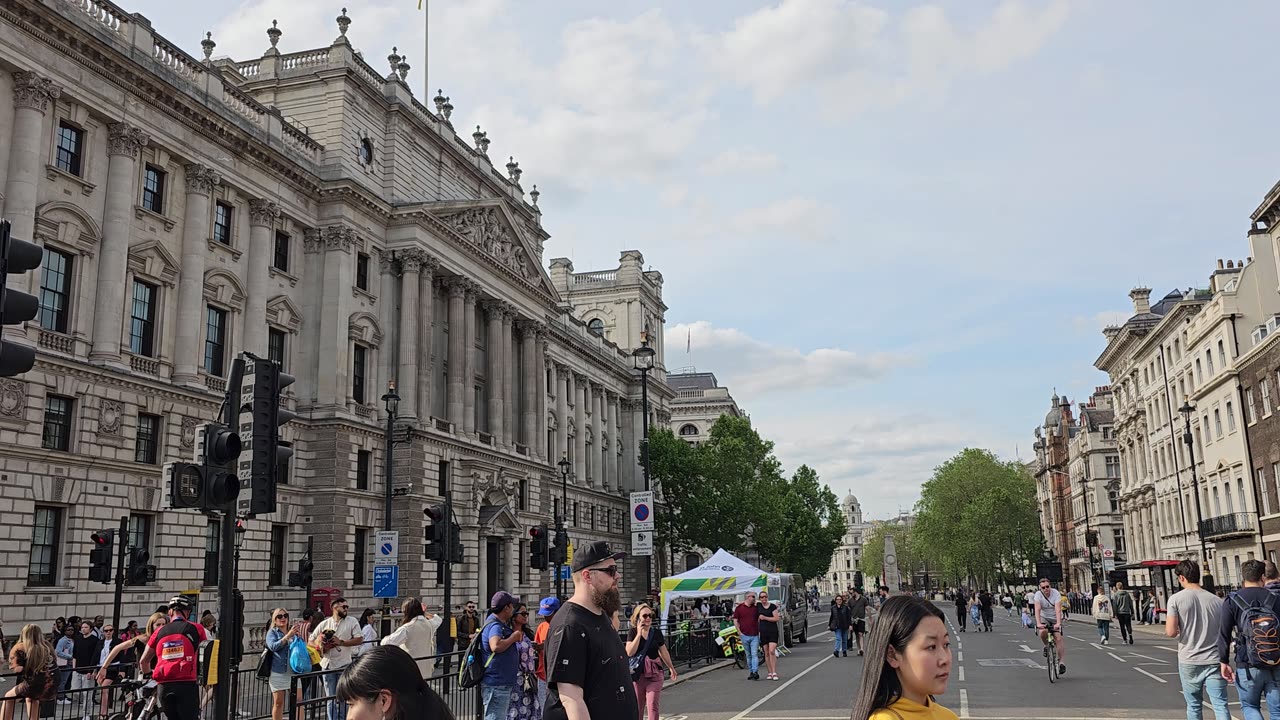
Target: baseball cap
x=548 y=606
x=501 y=599
x=587 y=555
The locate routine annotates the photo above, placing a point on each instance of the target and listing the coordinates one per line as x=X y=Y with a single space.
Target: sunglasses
x=107 y=630
x=611 y=571
x=283 y=617
x=523 y=612
x=646 y=616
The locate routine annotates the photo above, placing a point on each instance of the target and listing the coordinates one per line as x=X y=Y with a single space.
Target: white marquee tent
x=723 y=575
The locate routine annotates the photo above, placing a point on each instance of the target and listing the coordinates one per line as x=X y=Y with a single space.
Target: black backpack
x=471 y=670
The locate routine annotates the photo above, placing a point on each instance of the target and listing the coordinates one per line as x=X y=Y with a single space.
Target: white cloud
x=741 y=162
x=854 y=57
x=753 y=367
x=800 y=217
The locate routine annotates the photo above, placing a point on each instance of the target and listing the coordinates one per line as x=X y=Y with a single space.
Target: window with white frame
x=1231 y=418
x=1248 y=406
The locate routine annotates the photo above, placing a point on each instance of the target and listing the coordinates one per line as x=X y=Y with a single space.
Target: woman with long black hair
x=384 y=684
x=908 y=663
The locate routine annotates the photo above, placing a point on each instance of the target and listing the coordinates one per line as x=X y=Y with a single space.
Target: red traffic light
x=434 y=513
x=535 y=533
x=101 y=538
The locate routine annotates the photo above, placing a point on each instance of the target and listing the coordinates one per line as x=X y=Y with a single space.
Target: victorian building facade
x=307 y=208
x=1053 y=486
x=1093 y=470
x=846 y=561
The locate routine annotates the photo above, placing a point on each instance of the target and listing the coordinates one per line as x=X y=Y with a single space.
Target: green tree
x=910 y=560
x=808 y=529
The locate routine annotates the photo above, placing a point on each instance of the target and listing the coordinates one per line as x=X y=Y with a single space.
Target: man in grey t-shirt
x=1193 y=619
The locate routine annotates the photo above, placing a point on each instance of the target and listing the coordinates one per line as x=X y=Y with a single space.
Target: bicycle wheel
x=739 y=656
x=1053 y=662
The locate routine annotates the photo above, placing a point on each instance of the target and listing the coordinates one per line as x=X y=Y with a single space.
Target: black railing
x=1226 y=526
x=465 y=703
x=690 y=641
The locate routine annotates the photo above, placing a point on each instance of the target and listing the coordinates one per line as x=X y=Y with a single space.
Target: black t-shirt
x=583 y=649
x=985 y=600
x=961 y=601
x=656 y=641
x=858 y=608
x=87 y=650
x=764 y=611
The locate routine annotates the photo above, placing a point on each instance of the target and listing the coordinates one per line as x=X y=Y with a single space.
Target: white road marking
x=780 y=688
x=1157 y=678
x=1117 y=657
x=961 y=673
x=961 y=656
x=1148 y=657
x=1026 y=648
x=1096 y=645
x=964 y=703
x=1162 y=647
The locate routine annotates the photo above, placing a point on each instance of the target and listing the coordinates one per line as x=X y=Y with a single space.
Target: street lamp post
x=391 y=400
x=644 y=356
x=1186 y=410
x=561 y=535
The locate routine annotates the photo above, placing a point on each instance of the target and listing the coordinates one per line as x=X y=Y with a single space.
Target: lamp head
x=391 y=398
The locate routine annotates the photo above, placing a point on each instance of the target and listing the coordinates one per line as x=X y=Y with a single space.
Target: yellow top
x=904 y=709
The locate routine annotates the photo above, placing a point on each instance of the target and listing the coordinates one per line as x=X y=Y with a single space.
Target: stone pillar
x=506 y=378
x=189 y=351
x=493 y=348
x=633 y=448
x=31 y=96
x=426 y=321
x=386 y=317
x=333 y=379
x=611 y=467
x=262 y=221
x=411 y=261
x=597 y=416
x=457 y=351
x=563 y=378
x=529 y=382
x=123 y=143
x=540 y=389
x=469 y=360
x=580 y=425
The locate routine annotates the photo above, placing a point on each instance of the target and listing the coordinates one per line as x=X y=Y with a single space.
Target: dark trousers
x=180 y=700
x=962 y=615
x=986 y=618
x=1126 y=625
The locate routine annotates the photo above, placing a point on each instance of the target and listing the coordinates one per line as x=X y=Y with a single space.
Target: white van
x=787 y=590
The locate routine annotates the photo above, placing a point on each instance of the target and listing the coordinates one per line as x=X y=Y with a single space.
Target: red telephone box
x=322 y=598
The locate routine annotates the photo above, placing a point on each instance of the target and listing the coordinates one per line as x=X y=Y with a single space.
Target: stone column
x=426 y=321
x=492 y=374
x=598 y=416
x=123 y=143
x=262 y=221
x=386 y=317
x=457 y=351
x=469 y=360
x=411 y=261
x=563 y=378
x=189 y=351
x=506 y=379
x=31 y=96
x=611 y=466
x=540 y=388
x=529 y=382
x=580 y=425
x=633 y=448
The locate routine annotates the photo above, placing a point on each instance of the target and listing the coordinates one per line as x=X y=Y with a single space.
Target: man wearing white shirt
x=334 y=638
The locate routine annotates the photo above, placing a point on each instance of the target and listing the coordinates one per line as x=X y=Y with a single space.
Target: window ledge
x=53 y=171
x=60 y=589
x=357 y=292
x=142 y=213
x=219 y=247
x=277 y=272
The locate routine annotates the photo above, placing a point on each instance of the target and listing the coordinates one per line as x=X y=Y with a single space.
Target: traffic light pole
x=120 y=554
x=448 y=570
x=306 y=604
x=226 y=561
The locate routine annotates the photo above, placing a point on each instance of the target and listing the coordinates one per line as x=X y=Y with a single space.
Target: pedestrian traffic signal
x=302 y=578
x=100 y=555
x=260 y=394
x=455 y=543
x=538 y=547
x=560 y=553
x=211 y=484
x=139 y=571
x=16 y=256
x=437 y=533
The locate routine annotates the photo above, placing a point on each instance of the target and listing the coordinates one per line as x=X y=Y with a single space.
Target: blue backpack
x=299 y=656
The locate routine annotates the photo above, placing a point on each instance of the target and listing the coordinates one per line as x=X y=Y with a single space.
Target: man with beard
x=334 y=638
x=587 y=671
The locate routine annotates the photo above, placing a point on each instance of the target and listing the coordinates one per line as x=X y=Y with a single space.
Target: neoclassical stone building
x=846 y=561
x=699 y=401
x=305 y=207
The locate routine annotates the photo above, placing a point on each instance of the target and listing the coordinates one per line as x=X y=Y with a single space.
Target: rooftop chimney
x=1141 y=297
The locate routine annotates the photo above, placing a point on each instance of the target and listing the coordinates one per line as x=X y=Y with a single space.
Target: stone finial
x=344 y=22
x=273 y=34
x=513 y=170
x=394 y=60
x=482 y=141
x=403 y=69
x=448 y=109
x=534 y=194
x=208 y=44
x=439 y=100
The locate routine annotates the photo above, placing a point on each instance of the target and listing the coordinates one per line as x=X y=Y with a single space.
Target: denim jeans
x=1104 y=629
x=497 y=698
x=1253 y=684
x=751 y=646
x=1196 y=680
x=840 y=639
x=542 y=694
x=337 y=710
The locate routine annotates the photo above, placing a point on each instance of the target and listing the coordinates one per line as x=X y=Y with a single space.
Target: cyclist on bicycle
x=173 y=649
x=1047 y=603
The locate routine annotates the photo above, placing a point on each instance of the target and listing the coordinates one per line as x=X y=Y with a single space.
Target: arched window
x=692 y=561
x=688 y=429
x=596 y=327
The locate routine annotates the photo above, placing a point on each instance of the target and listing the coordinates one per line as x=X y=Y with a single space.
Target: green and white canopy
x=723 y=575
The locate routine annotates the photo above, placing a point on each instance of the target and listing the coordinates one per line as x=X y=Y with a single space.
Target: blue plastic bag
x=299 y=657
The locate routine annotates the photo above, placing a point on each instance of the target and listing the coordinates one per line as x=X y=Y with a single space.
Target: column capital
x=580 y=378
x=411 y=260
x=125 y=139
x=456 y=285
x=34 y=91
x=562 y=368
x=386 y=262
x=200 y=179
x=312 y=242
x=493 y=308
x=528 y=329
x=338 y=237
x=263 y=212
x=472 y=292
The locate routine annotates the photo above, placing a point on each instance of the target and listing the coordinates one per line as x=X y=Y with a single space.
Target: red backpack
x=175 y=647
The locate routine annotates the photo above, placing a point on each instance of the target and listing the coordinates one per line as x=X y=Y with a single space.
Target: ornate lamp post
x=643 y=357
x=562 y=536
x=1206 y=570
x=391 y=400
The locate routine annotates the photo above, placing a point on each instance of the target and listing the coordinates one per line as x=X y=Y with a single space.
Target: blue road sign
x=564 y=573
x=386 y=581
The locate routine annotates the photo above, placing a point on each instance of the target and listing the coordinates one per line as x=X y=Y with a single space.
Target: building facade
x=1093 y=470
x=1053 y=486
x=846 y=561
x=307 y=208
x=699 y=401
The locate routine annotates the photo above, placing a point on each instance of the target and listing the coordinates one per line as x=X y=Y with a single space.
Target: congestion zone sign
x=642 y=511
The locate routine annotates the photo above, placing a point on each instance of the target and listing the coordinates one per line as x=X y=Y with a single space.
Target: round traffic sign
x=385 y=549
x=642 y=512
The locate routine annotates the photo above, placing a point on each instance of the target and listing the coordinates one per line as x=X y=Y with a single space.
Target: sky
x=892 y=229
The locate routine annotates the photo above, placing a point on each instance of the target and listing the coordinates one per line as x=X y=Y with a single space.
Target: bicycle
x=141 y=701
x=731 y=642
x=1051 y=652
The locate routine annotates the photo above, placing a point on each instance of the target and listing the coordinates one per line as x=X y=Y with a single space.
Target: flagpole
x=426 y=42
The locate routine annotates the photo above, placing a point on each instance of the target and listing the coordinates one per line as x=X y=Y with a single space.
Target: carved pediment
x=151 y=259
x=282 y=312
x=68 y=225
x=489 y=229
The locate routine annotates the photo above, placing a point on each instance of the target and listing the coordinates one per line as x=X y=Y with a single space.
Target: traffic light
x=455 y=543
x=1091 y=538
x=100 y=556
x=437 y=532
x=211 y=484
x=258 y=471
x=538 y=547
x=139 y=571
x=16 y=256
x=857 y=579
x=302 y=578
x=560 y=553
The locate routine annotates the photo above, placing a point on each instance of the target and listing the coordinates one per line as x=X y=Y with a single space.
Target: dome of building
x=850 y=500
x=1054 y=416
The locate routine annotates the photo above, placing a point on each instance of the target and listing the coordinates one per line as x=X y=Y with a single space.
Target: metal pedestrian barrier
x=315 y=696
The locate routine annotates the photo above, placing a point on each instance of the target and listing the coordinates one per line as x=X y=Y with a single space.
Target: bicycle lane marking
x=779 y=689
